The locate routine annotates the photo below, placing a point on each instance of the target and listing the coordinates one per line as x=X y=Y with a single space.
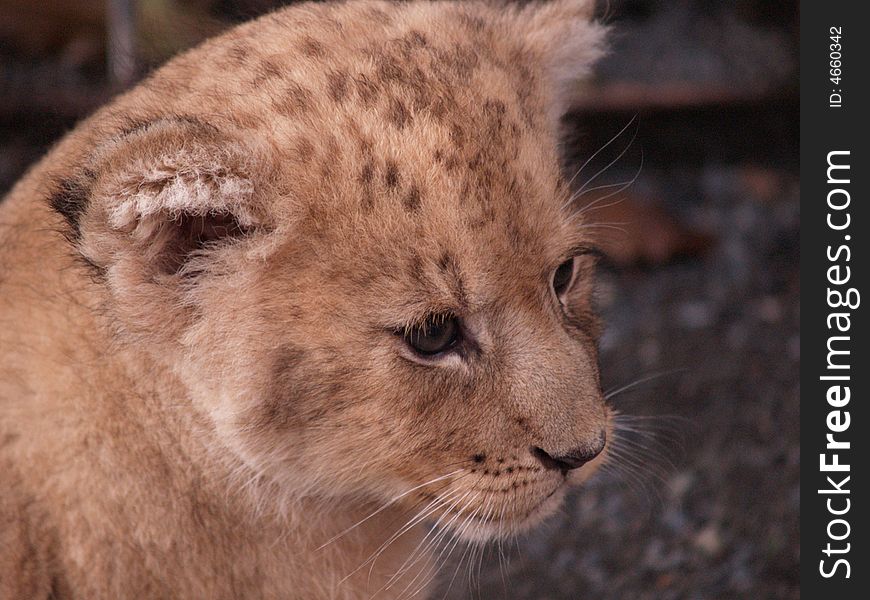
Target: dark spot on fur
x=418 y=88
x=525 y=88
x=293 y=101
x=448 y=265
x=238 y=53
x=301 y=393
x=494 y=114
x=416 y=39
x=473 y=22
x=312 y=48
x=411 y=201
x=378 y=15
x=523 y=424
x=336 y=83
x=463 y=60
x=445 y=262
x=366 y=176
x=457 y=63
x=478 y=458
x=367 y=173
x=517 y=236
x=279 y=409
x=361 y=142
x=416 y=268
x=70 y=200
x=457 y=135
x=398 y=115
x=266 y=70
x=304 y=150
x=510 y=469
x=366 y=89
x=477 y=224
x=391 y=178
x=439 y=108
x=452 y=163
x=389 y=69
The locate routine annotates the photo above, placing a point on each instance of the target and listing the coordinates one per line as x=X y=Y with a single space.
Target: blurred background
x=696 y=108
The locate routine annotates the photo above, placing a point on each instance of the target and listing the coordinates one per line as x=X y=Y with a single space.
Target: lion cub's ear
x=162 y=207
x=168 y=192
x=563 y=34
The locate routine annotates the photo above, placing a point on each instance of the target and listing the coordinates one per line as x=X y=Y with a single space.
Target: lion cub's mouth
x=503 y=500
x=484 y=513
x=509 y=520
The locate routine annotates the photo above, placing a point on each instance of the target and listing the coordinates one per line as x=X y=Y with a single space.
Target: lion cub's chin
x=500 y=522
x=491 y=519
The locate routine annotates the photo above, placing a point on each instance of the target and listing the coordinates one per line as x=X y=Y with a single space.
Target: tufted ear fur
x=159 y=208
x=568 y=41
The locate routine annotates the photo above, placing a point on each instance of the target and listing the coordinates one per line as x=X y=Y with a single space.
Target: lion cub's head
x=344 y=228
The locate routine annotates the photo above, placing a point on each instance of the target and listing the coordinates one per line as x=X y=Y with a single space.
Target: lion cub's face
x=351 y=240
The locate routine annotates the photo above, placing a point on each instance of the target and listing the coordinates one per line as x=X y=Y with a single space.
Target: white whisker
x=420 y=516
x=597 y=152
x=423 y=545
x=387 y=505
x=611 y=393
x=595 y=204
x=436 y=563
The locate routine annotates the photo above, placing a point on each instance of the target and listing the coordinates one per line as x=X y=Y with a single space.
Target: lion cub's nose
x=574 y=459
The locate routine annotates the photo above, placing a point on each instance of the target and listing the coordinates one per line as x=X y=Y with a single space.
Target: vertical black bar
x=835 y=366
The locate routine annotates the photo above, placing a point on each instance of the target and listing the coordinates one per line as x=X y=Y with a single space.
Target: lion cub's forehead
x=400 y=133
x=373 y=107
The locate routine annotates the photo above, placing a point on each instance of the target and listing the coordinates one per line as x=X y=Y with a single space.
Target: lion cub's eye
x=438 y=334
x=562 y=277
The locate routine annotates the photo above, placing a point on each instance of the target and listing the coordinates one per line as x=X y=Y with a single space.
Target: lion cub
x=309 y=287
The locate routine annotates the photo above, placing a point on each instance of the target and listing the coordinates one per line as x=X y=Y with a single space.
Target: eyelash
x=437 y=335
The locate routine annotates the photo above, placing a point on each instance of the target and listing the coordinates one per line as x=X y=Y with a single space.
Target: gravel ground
x=710 y=506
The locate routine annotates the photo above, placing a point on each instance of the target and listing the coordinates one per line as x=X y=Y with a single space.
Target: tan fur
x=203 y=290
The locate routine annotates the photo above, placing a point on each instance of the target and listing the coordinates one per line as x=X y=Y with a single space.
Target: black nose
x=574 y=459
